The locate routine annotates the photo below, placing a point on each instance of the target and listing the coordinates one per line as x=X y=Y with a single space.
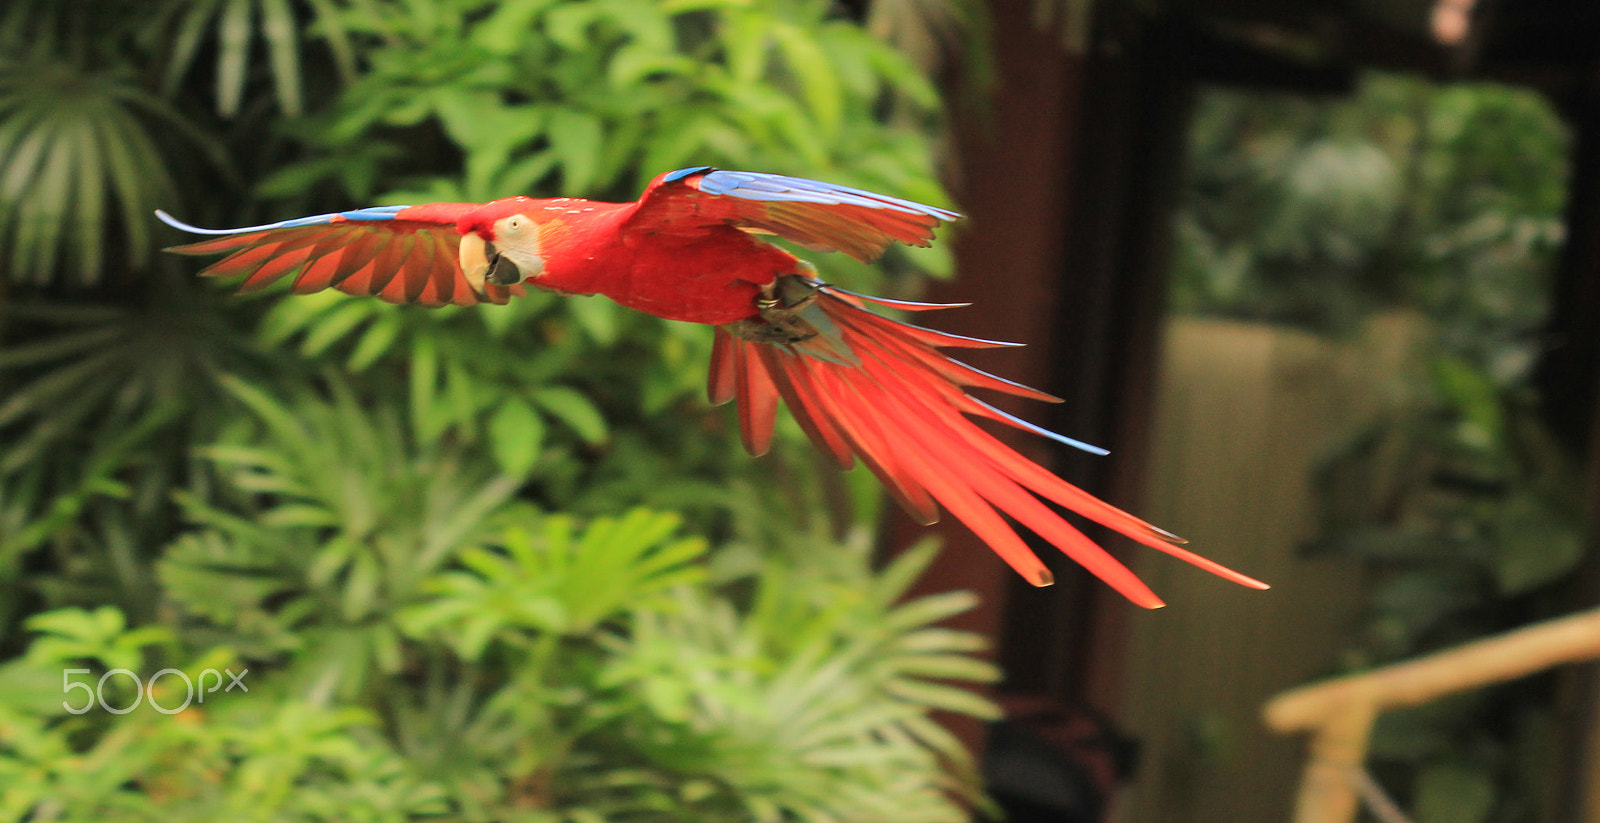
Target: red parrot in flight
x=861 y=385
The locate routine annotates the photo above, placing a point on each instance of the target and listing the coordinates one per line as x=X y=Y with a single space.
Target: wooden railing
x=1339 y=713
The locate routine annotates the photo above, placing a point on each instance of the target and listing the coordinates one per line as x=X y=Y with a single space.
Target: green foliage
x=1444 y=199
x=526 y=89
x=1444 y=202
x=487 y=564
x=520 y=686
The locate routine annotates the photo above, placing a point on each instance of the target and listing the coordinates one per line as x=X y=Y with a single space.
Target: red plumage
x=861 y=385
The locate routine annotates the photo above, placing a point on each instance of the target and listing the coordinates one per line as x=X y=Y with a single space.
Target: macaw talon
x=780 y=305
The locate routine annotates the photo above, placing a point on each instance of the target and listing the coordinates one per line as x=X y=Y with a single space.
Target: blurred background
x=1321 y=273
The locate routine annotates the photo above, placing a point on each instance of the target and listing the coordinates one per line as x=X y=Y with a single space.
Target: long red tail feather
x=900 y=407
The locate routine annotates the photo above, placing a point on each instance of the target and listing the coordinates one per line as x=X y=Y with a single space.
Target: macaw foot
x=781 y=305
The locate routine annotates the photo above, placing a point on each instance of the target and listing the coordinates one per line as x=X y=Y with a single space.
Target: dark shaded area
x=1094 y=142
x=1055 y=764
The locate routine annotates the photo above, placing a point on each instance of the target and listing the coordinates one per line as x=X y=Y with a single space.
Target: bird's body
x=711 y=275
x=860 y=384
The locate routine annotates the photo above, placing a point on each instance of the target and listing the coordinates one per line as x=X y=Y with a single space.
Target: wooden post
x=1338 y=750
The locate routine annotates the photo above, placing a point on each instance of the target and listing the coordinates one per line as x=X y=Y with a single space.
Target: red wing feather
x=275 y=267
x=797 y=389
x=719 y=384
x=758 y=401
x=355 y=257
x=232 y=242
x=437 y=290
x=402 y=254
x=413 y=273
x=391 y=257
x=319 y=274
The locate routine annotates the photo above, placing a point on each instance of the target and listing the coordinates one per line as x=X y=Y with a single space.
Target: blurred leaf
x=575 y=410
x=575 y=137
x=517 y=432
x=817 y=80
x=1537 y=544
x=597 y=317
x=72 y=635
x=1453 y=794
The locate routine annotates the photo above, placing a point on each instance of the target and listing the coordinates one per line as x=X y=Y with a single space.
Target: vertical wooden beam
x=1011 y=184
x=1068 y=180
x=1124 y=178
x=1336 y=755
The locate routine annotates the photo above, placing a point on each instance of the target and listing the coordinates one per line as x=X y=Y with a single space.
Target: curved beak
x=502 y=272
x=474 y=257
x=481 y=262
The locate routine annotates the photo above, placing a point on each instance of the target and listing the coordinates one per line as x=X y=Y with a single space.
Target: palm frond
x=815 y=704
x=81 y=169
x=235 y=26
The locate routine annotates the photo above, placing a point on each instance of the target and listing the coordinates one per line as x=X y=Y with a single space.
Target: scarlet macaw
x=860 y=384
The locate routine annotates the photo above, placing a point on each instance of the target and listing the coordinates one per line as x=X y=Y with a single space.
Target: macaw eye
x=514 y=223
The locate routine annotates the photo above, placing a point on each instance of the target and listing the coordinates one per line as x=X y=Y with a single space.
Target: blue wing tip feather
x=675 y=176
x=752 y=185
x=179 y=224
x=373 y=213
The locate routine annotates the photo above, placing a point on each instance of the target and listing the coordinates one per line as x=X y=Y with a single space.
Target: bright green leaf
x=516 y=432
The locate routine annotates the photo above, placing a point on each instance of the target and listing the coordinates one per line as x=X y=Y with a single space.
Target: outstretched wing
x=814 y=214
x=865 y=386
x=402 y=254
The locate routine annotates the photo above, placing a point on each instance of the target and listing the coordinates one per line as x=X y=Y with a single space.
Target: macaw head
x=500 y=244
